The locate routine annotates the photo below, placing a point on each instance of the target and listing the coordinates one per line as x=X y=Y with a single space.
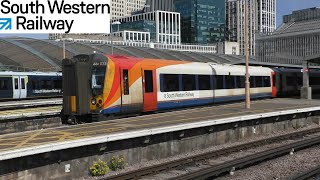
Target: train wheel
x=64 y=118
x=72 y=120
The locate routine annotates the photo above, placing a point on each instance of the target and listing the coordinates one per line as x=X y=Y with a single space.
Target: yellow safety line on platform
x=214 y=116
x=29 y=138
x=31 y=110
x=148 y=117
x=66 y=134
x=140 y=119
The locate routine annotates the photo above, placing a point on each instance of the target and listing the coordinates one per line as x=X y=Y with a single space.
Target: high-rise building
x=123 y=8
x=262 y=15
x=202 y=21
x=162 y=5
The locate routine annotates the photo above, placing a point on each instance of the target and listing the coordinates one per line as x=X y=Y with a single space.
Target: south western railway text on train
x=178 y=95
x=36 y=8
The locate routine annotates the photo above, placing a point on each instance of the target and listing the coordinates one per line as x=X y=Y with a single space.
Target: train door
x=15 y=87
x=149 y=89
x=131 y=93
x=19 y=84
x=23 y=86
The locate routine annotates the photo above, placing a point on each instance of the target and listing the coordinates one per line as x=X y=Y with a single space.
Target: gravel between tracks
x=280 y=168
x=213 y=148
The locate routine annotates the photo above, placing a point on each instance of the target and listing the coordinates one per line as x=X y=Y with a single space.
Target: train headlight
x=93 y=101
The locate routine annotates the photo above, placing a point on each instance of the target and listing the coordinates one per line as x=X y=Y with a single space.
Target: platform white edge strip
x=26 y=104
x=28 y=115
x=139 y=133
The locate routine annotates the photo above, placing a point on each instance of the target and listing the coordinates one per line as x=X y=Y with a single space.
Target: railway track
x=311 y=173
x=217 y=170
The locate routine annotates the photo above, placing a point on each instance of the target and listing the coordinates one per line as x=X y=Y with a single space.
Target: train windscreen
x=97 y=79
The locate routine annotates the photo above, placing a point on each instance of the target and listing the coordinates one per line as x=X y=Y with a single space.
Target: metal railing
x=26 y=69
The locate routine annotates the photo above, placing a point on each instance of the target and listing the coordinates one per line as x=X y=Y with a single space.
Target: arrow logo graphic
x=5 y=24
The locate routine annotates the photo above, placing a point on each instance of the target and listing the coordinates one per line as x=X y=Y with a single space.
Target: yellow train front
x=102 y=86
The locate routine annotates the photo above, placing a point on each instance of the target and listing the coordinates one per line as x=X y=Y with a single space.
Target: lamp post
x=247 y=82
x=62 y=36
x=114 y=23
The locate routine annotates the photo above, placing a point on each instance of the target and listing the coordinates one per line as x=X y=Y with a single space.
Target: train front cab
x=76 y=82
x=93 y=88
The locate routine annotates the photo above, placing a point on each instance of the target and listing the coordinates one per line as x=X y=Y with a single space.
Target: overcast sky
x=283 y=7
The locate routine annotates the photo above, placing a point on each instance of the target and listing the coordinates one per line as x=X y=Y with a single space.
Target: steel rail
x=147 y=171
x=307 y=174
x=217 y=170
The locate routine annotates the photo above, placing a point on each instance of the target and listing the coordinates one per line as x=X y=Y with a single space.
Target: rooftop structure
x=24 y=54
x=296 y=39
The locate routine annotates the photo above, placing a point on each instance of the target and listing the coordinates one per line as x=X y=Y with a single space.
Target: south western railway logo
x=49 y=15
x=5 y=23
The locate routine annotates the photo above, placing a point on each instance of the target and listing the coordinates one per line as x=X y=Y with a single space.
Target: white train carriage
x=195 y=84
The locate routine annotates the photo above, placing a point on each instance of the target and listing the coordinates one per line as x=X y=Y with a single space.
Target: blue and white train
x=24 y=85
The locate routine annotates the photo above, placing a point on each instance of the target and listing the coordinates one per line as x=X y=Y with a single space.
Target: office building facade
x=297 y=38
x=163 y=26
x=162 y=5
x=123 y=8
x=202 y=21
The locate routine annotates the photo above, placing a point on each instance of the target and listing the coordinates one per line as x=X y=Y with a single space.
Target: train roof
x=229 y=69
x=12 y=73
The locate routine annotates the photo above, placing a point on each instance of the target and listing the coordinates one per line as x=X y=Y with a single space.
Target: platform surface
x=30 y=102
x=27 y=143
x=29 y=112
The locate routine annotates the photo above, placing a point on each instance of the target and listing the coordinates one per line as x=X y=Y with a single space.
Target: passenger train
x=97 y=86
x=24 y=85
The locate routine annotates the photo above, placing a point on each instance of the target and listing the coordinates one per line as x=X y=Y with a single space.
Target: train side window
x=218 y=82
x=23 y=85
x=252 y=82
x=148 y=79
x=229 y=82
x=170 y=82
x=204 y=82
x=57 y=84
x=240 y=81
x=126 y=82
x=266 y=81
x=45 y=84
x=35 y=84
x=188 y=82
x=4 y=85
x=16 y=83
x=258 y=80
x=292 y=80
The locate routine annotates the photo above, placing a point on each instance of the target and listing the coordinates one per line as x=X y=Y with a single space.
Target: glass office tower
x=202 y=21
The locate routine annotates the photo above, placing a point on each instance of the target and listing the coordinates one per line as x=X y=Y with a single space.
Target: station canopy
x=313 y=59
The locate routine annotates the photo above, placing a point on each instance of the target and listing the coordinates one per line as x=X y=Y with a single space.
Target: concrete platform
x=29 y=112
x=48 y=140
x=30 y=103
